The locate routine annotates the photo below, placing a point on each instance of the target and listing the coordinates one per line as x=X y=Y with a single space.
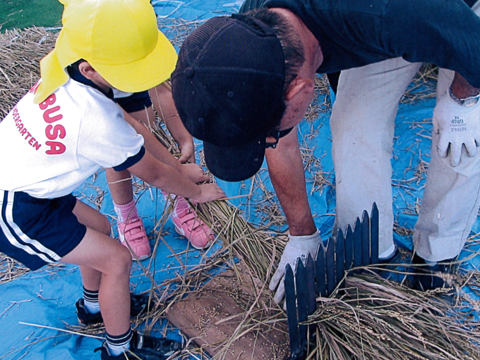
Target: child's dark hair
x=73 y=68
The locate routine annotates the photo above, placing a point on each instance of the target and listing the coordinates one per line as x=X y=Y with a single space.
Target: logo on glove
x=457 y=124
x=457 y=120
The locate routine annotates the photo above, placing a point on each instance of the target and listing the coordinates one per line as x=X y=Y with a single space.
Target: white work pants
x=362 y=124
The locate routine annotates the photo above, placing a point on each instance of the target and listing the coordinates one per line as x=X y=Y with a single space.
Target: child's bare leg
x=106 y=263
x=91 y=218
x=102 y=257
x=94 y=220
x=120 y=186
x=131 y=230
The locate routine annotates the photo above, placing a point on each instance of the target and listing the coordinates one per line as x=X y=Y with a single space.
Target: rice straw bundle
x=372 y=318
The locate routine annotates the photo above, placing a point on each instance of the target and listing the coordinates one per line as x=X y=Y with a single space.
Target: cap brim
x=137 y=76
x=235 y=163
x=143 y=74
x=52 y=69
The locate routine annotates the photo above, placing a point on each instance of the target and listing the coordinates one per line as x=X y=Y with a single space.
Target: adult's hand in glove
x=457 y=126
x=297 y=247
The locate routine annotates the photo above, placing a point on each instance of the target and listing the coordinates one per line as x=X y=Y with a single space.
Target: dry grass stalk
x=243 y=240
x=20 y=53
x=10 y=269
x=423 y=85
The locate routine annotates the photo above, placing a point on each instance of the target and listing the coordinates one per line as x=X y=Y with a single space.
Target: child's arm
x=154 y=147
x=167 y=178
x=162 y=99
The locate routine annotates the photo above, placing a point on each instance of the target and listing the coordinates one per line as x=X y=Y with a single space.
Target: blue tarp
x=46 y=297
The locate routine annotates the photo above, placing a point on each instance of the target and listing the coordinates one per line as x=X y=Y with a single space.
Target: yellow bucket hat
x=119 y=38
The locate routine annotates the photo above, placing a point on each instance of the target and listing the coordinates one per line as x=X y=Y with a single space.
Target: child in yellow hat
x=61 y=132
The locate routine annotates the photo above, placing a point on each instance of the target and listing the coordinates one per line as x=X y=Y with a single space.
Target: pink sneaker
x=133 y=233
x=189 y=225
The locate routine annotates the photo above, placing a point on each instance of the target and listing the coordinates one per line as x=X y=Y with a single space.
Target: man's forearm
x=288 y=178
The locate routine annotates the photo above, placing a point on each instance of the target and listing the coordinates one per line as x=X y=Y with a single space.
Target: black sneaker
x=426 y=278
x=144 y=348
x=394 y=267
x=138 y=304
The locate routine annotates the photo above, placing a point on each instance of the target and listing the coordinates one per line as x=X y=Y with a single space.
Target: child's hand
x=194 y=173
x=209 y=192
x=188 y=153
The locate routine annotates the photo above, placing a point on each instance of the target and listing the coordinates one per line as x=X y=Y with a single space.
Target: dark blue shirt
x=355 y=33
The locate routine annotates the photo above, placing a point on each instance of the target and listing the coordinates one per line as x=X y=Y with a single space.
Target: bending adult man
x=242 y=81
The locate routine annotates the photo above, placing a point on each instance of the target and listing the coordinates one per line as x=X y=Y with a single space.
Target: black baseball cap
x=228 y=89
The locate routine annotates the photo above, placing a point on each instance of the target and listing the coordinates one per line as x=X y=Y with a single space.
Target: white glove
x=457 y=125
x=297 y=247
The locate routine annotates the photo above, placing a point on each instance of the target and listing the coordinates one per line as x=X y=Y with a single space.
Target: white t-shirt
x=50 y=149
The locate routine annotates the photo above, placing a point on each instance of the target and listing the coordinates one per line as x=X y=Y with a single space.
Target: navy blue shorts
x=35 y=231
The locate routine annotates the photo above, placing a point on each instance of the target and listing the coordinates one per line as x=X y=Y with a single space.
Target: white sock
x=118 y=344
x=91 y=307
x=90 y=301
